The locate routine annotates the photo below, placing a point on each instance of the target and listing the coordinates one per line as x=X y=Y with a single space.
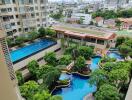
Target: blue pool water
x=26 y=51
x=94 y=64
x=115 y=55
x=79 y=85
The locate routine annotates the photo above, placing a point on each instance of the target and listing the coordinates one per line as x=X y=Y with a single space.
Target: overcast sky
x=74 y=0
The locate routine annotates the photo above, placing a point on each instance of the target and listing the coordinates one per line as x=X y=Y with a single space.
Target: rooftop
x=126 y=20
x=84 y=32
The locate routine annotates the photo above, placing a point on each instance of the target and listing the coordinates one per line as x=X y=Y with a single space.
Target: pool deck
x=88 y=97
x=129 y=92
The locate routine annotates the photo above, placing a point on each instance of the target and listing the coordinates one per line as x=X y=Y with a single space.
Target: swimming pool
x=79 y=87
x=115 y=55
x=31 y=49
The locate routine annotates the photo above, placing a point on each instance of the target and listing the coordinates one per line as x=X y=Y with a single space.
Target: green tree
x=49 y=74
x=118 y=24
x=85 y=51
x=98 y=77
x=50 y=58
x=32 y=35
x=65 y=60
x=19 y=77
x=120 y=40
x=58 y=15
x=80 y=64
x=20 y=40
x=33 y=67
x=50 y=32
x=118 y=77
x=80 y=21
x=29 y=89
x=107 y=92
x=56 y=97
x=42 y=31
x=124 y=50
x=10 y=42
x=42 y=96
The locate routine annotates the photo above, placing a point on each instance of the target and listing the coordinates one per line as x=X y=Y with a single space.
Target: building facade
x=21 y=16
x=89 y=38
x=85 y=17
x=8 y=84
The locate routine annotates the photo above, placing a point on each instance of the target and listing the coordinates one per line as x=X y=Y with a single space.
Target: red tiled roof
x=98 y=19
x=106 y=36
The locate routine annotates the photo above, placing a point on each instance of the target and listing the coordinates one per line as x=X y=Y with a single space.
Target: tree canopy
x=33 y=67
x=85 y=51
x=65 y=60
x=109 y=14
x=42 y=31
x=80 y=64
x=49 y=74
x=50 y=58
x=107 y=92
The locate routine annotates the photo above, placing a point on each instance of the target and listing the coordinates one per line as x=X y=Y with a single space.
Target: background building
x=8 y=85
x=20 y=16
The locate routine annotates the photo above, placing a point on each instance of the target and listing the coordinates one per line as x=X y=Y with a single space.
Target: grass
x=124 y=33
x=82 y=30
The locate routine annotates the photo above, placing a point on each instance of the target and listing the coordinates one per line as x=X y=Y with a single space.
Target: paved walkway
x=129 y=92
x=88 y=97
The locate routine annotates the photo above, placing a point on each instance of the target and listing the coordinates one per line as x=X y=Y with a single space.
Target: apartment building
x=115 y=4
x=8 y=85
x=21 y=16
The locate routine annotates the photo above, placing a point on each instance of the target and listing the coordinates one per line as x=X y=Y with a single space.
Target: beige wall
x=7 y=86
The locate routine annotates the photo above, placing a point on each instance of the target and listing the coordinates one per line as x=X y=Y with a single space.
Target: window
x=14 y=1
x=42 y=1
x=3 y=10
x=19 y=29
x=18 y=23
x=9 y=9
x=26 y=29
x=12 y=24
x=7 y=1
x=16 y=16
x=21 y=1
x=37 y=14
x=14 y=31
x=37 y=19
x=10 y=33
x=15 y=9
x=31 y=1
x=36 y=8
x=35 y=1
x=12 y=17
x=38 y=25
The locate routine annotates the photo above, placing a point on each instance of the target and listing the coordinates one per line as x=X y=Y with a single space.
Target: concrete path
x=129 y=92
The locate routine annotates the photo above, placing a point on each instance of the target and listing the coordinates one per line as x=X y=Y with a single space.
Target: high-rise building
x=21 y=16
x=8 y=85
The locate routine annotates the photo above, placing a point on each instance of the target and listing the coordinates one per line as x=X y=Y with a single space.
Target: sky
x=72 y=0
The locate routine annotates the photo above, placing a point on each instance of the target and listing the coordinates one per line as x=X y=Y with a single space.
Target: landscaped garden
x=113 y=77
x=46 y=77
x=107 y=81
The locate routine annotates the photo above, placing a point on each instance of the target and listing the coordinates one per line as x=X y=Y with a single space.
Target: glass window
x=7 y=1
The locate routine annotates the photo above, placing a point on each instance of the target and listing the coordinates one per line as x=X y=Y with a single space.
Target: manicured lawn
x=124 y=33
x=82 y=30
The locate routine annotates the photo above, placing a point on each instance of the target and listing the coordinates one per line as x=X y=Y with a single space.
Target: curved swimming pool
x=31 y=49
x=79 y=87
x=114 y=55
